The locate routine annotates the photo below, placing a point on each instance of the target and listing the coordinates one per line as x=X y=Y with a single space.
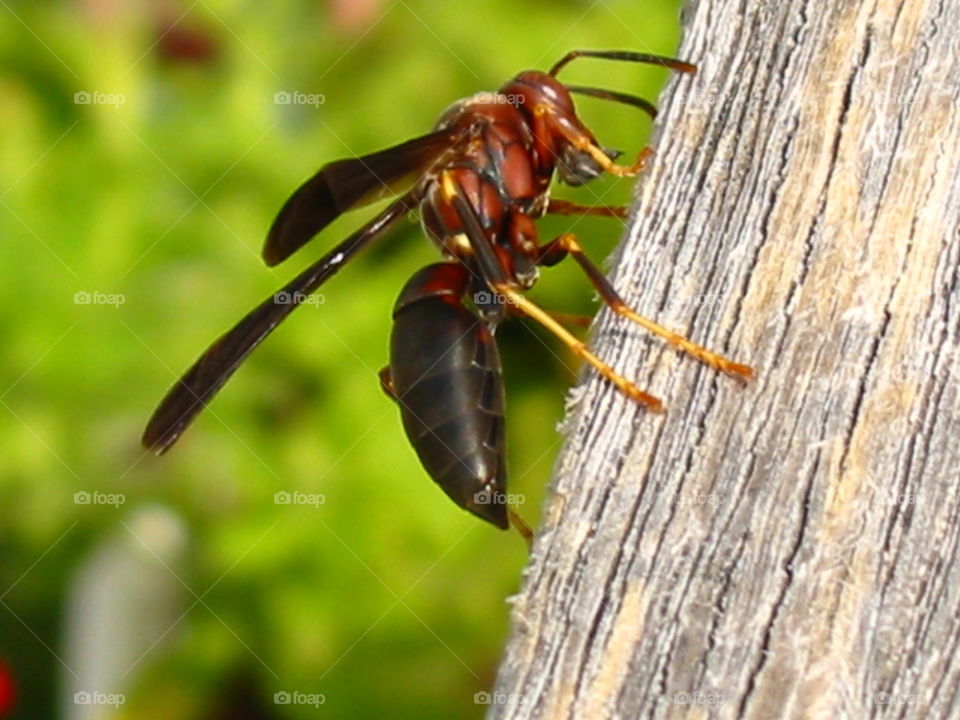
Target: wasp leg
x=520 y=525
x=582 y=321
x=498 y=281
x=585 y=143
x=564 y=207
x=610 y=166
x=550 y=255
x=386 y=383
x=567 y=243
x=527 y=307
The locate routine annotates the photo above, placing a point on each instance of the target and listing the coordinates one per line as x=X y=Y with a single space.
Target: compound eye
x=545 y=89
x=551 y=94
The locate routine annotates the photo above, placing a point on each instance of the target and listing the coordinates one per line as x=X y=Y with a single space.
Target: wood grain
x=789 y=548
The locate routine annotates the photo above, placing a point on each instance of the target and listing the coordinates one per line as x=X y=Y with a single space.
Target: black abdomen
x=447 y=380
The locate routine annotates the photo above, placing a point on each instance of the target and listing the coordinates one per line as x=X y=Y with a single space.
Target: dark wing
x=490 y=267
x=346 y=184
x=208 y=374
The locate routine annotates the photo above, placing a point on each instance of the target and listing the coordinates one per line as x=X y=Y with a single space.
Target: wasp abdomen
x=447 y=379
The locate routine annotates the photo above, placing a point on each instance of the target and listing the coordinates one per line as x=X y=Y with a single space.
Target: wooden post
x=789 y=548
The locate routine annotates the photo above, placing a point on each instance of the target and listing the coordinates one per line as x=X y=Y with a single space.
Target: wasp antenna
x=627 y=56
x=604 y=94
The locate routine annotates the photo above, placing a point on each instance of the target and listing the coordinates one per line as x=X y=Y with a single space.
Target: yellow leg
x=609 y=165
x=579 y=348
x=583 y=142
x=582 y=321
x=521 y=527
x=568 y=242
x=565 y=207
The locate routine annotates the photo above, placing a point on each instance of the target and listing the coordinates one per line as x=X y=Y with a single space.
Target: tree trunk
x=788 y=548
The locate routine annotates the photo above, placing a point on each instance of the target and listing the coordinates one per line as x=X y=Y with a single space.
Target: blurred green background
x=154 y=199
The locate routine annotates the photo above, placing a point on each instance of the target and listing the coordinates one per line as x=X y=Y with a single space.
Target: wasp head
x=547 y=107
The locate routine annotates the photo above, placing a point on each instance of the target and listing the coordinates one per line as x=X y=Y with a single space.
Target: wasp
x=480 y=181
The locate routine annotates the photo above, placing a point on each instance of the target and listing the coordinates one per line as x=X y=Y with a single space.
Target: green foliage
x=386 y=598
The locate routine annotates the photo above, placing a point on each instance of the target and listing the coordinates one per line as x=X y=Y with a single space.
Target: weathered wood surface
x=787 y=549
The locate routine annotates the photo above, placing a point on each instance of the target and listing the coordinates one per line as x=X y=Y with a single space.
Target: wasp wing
x=208 y=374
x=489 y=265
x=346 y=184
